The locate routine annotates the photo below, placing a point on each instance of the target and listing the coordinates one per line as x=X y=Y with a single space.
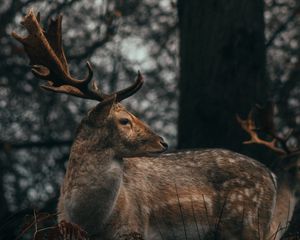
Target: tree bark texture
x=222 y=70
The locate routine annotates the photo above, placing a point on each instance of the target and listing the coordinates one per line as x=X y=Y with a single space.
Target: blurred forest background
x=203 y=63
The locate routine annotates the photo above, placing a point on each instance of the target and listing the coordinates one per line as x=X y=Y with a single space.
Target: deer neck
x=89 y=164
x=92 y=184
x=285 y=206
x=92 y=160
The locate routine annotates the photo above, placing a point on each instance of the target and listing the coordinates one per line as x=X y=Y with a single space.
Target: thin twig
x=195 y=219
x=181 y=213
x=206 y=211
x=282 y=27
x=220 y=217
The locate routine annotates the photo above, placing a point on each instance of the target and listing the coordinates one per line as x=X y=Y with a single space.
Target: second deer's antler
x=48 y=62
x=278 y=144
x=250 y=127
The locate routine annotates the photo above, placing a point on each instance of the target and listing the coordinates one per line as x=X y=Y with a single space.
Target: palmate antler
x=48 y=62
x=277 y=144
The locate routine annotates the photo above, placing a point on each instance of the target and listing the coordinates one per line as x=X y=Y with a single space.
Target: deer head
x=109 y=124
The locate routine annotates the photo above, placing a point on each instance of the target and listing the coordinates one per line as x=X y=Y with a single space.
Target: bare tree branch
x=282 y=27
x=91 y=49
x=7 y=146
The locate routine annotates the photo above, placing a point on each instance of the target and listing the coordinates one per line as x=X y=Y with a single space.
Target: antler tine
x=266 y=118
x=127 y=92
x=249 y=126
x=48 y=60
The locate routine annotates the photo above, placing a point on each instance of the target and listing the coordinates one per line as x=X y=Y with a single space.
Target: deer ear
x=103 y=109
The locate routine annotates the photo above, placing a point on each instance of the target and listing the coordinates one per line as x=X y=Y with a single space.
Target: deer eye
x=124 y=121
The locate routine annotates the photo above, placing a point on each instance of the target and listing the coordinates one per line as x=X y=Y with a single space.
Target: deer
x=118 y=179
x=287 y=169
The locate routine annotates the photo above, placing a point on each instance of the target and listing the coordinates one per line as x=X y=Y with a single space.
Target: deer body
x=283 y=212
x=171 y=196
x=288 y=193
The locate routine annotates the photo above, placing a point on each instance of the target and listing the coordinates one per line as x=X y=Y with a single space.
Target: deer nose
x=164 y=144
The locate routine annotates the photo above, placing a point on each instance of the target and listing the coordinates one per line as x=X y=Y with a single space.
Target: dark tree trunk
x=222 y=65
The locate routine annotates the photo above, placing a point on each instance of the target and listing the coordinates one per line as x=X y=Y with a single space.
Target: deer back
x=216 y=190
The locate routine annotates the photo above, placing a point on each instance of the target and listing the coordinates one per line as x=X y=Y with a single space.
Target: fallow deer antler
x=277 y=144
x=249 y=126
x=48 y=62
